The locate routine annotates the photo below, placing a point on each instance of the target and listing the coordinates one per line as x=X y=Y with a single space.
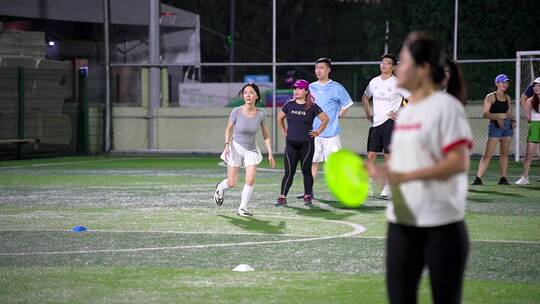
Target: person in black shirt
x=300 y=113
x=498 y=109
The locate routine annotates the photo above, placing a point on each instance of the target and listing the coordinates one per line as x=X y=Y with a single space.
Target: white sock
x=223 y=186
x=246 y=196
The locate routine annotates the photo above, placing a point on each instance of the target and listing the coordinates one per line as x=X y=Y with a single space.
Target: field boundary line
x=68 y=163
x=357 y=229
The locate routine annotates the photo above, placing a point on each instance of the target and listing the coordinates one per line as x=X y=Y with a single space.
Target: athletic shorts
x=324 y=146
x=379 y=137
x=534 y=132
x=241 y=157
x=494 y=130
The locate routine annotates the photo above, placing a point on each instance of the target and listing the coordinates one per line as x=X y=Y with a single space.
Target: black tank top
x=499 y=106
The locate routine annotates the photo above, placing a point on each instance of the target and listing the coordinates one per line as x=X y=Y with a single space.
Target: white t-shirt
x=387 y=97
x=424 y=132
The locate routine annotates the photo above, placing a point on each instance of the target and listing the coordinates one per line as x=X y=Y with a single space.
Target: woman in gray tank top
x=241 y=149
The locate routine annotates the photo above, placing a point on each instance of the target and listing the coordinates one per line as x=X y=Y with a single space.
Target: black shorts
x=379 y=137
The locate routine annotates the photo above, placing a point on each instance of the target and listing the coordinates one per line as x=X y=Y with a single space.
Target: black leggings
x=298 y=151
x=443 y=248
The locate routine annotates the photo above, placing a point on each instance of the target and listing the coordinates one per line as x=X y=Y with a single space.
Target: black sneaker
x=218 y=197
x=307 y=200
x=503 y=181
x=477 y=181
x=281 y=201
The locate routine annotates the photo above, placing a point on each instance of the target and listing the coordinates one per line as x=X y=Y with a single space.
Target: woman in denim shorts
x=500 y=130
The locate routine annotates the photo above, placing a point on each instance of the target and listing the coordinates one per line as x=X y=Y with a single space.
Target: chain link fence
x=196 y=102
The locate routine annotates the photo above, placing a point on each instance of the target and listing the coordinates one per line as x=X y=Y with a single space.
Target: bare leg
x=503 y=158
x=484 y=161
x=232 y=176
x=251 y=172
x=314 y=170
x=371 y=157
x=529 y=155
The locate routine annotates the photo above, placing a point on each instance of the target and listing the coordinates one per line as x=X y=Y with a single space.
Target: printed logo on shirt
x=297 y=112
x=408 y=127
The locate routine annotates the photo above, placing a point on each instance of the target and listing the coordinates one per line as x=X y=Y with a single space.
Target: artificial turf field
x=155 y=235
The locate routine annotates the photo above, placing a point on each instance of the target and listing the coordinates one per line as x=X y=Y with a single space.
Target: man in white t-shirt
x=387 y=99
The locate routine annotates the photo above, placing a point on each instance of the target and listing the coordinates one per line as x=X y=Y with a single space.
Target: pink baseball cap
x=301 y=84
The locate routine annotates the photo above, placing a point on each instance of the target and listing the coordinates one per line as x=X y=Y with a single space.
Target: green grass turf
x=156 y=236
x=146 y=285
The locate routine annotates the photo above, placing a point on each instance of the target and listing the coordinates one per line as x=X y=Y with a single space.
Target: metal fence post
x=21 y=114
x=82 y=125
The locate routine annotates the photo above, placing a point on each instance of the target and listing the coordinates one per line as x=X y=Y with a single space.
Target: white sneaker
x=523 y=181
x=243 y=212
x=385 y=191
x=218 y=196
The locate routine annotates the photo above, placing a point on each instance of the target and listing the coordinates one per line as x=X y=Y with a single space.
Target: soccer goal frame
x=519 y=56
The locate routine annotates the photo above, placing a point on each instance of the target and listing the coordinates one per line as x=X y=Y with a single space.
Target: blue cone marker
x=79 y=229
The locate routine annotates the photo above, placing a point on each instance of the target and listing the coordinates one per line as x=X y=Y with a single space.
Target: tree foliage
x=348 y=30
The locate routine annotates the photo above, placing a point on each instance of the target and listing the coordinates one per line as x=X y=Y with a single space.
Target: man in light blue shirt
x=334 y=100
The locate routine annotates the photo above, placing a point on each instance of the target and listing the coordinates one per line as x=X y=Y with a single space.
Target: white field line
x=67 y=163
x=357 y=229
x=157 y=231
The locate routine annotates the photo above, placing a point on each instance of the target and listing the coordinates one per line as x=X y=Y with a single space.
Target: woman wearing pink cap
x=300 y=113
x=498 y=110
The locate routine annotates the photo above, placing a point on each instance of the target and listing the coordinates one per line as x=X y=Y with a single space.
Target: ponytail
x=425 y=50
x=456 y=84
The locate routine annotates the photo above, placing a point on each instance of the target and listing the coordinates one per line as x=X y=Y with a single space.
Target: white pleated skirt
x=241 y=157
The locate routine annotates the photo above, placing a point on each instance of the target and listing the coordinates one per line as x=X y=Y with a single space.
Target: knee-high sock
x=223 y=186
x=246 y=196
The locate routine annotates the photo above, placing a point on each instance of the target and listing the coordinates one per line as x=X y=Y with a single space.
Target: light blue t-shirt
x=331 y=97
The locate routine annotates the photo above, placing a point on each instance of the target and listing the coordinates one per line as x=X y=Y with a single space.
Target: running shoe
x=243 y=212
x=218 y=197
x=385 y=191
x=522 y=181
x=307 y=200
x=301 y=196
x=477 y=181
x=503 y=181
x=281 y=201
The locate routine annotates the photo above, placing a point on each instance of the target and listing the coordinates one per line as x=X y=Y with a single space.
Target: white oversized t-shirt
x=387 y=97
x=424 y=132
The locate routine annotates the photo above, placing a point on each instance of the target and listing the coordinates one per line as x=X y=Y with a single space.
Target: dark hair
x=255 y=87
x=455 y=85
x=535 y=103
x=425 y=50
x=328 y=61
x=390 y=56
